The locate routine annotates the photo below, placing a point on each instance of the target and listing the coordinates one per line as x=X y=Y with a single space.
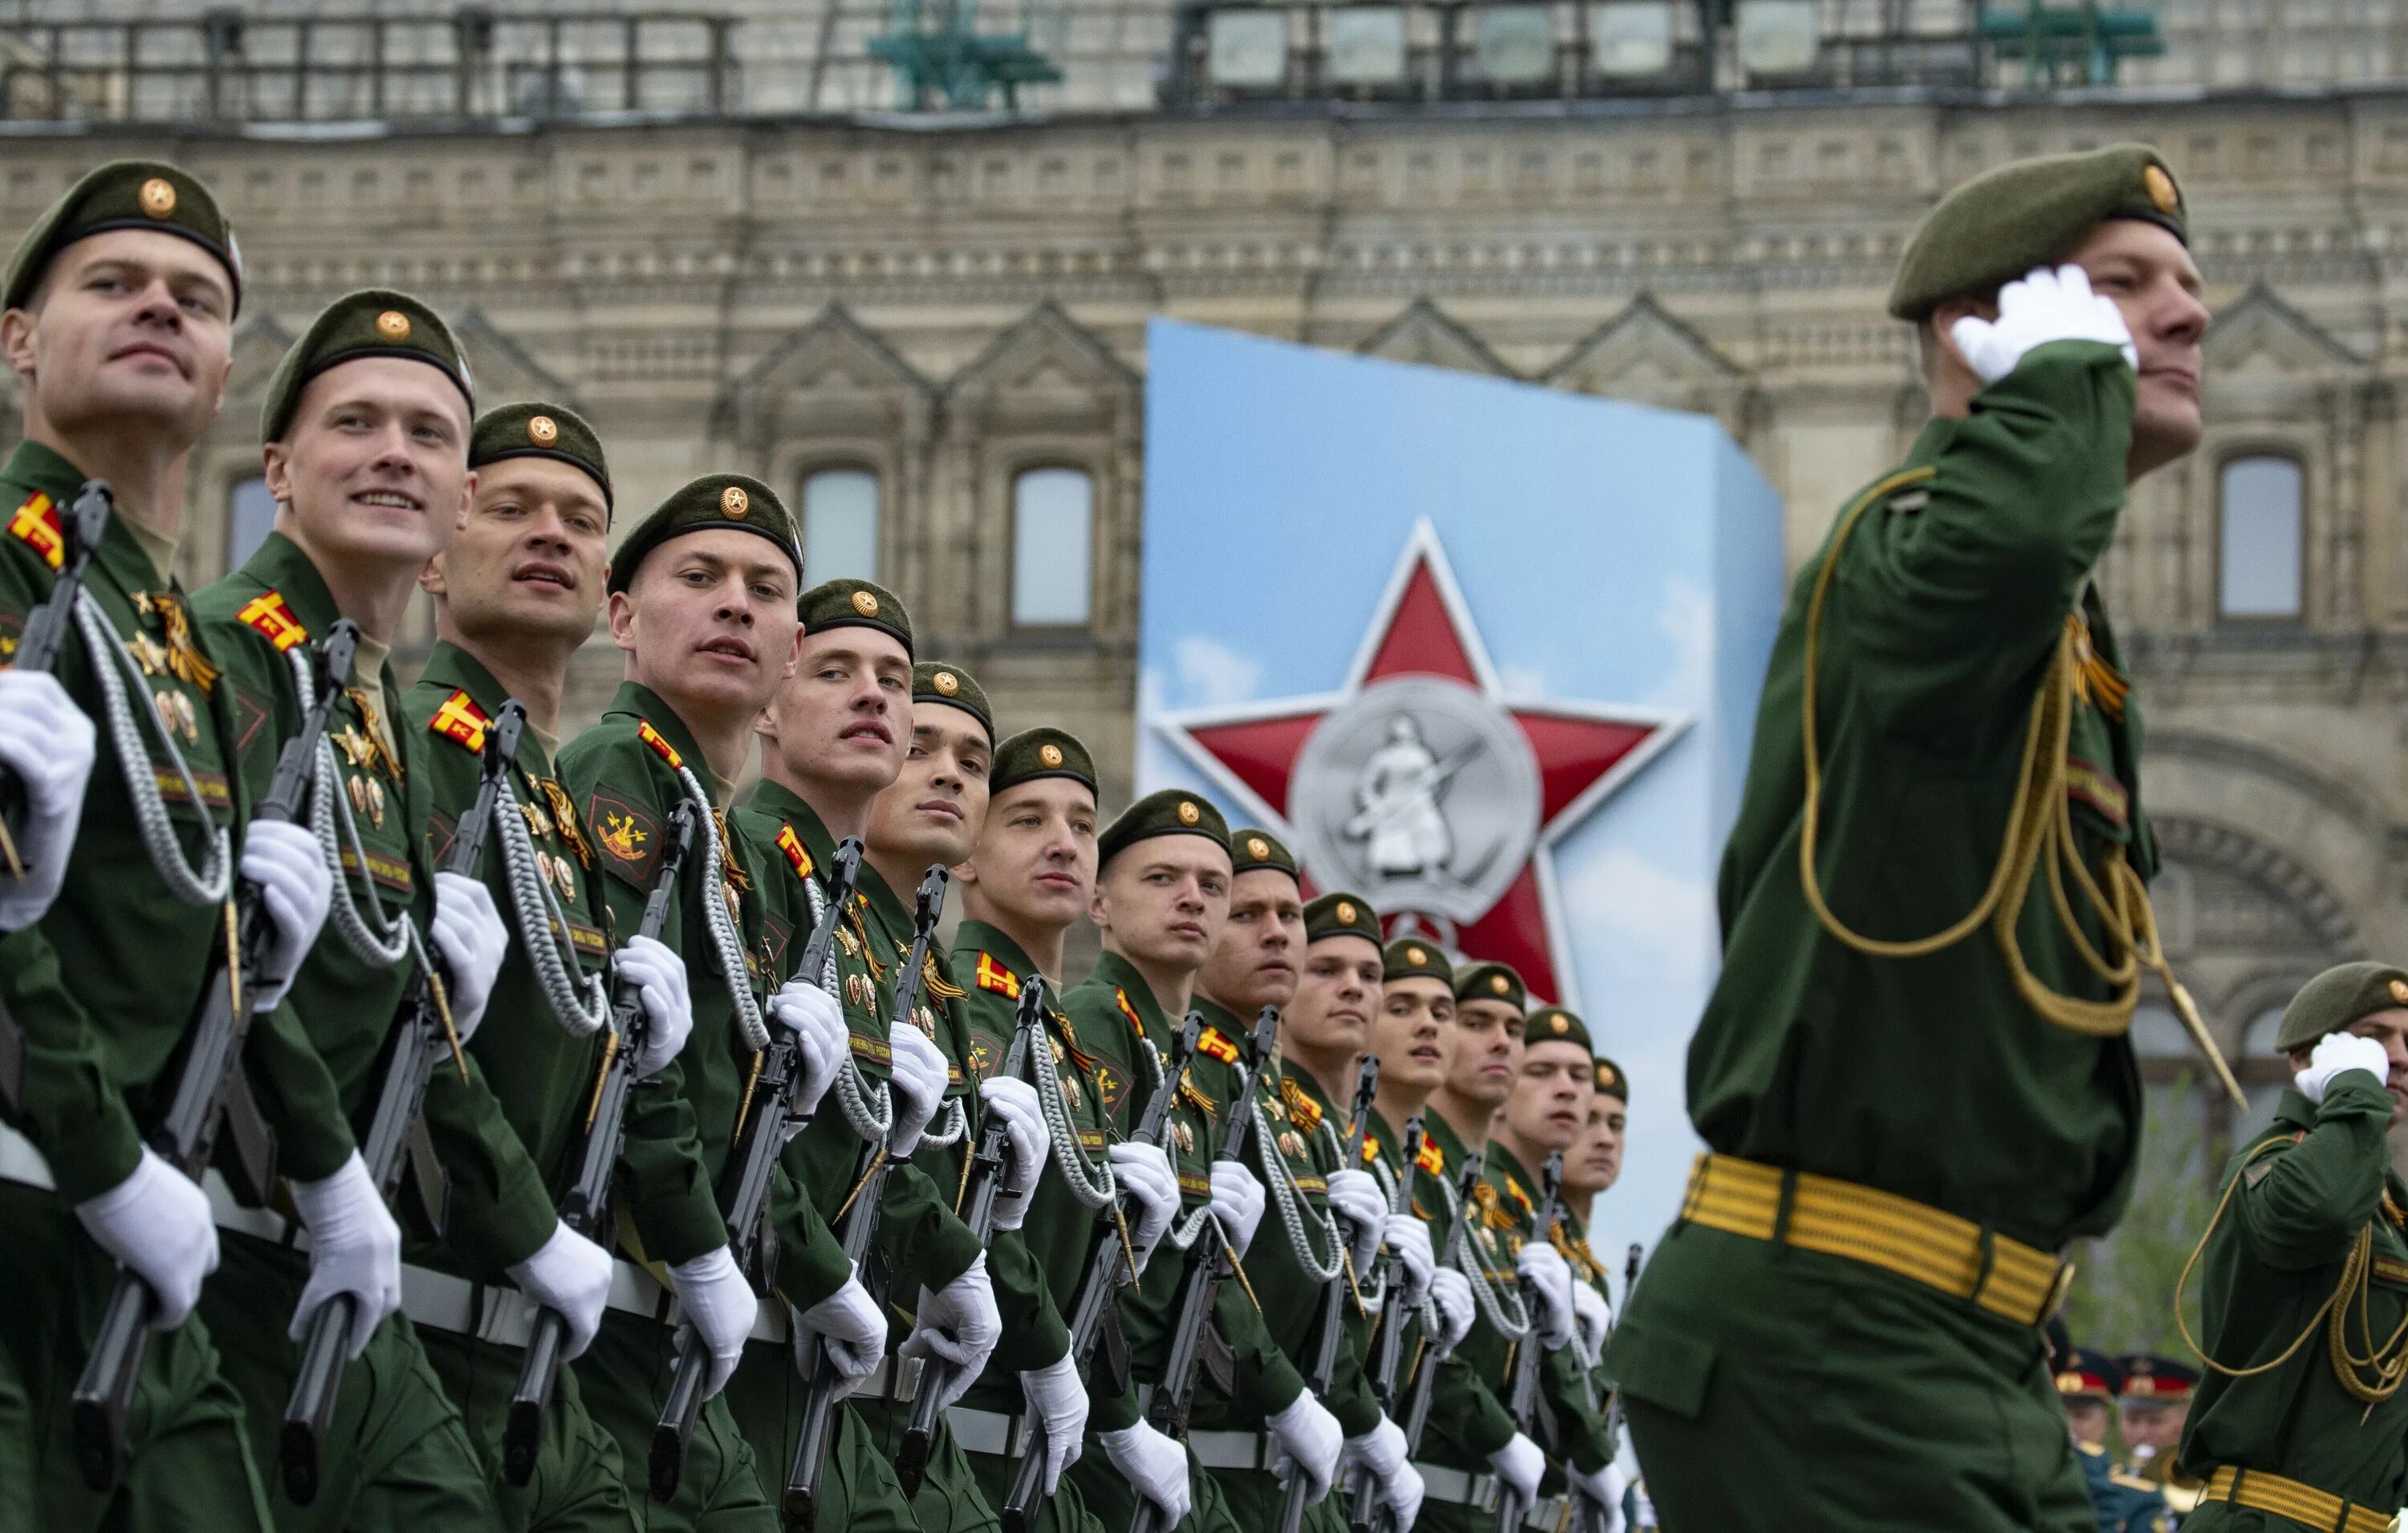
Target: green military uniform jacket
x=2300 y=1195
x=1932 y=1077
x=256 y=617
x=1578 y=1431
x=2126 y=1503
x=105 y=985
x=1571 y=1237
x=1468 y=1419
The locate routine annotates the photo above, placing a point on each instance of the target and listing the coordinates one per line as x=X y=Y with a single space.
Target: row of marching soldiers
x=413 y=1119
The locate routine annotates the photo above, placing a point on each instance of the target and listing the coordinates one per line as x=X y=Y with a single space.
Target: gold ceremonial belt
x=2302 y=1504
x=1916 y=1242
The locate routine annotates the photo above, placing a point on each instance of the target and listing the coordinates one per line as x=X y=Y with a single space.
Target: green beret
x=1042 y=751
x=2030 y=213
x=1174 y=811
x=1611 y=1081
x=123 y=194
x=1341 y=914
x=1252 y=851
x=1554 y=1024
x=1490 y=982
x=942 y=682
x=2336 y=998
x=1417 y=958
x=537 y=430
x=856 y=604
x=714 y=500
x=371 y=323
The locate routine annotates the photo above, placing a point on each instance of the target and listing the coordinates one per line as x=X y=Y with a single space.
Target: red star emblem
x=1422 y=631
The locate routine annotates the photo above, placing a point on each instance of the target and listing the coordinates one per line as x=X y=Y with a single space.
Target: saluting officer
x=1913 y=1073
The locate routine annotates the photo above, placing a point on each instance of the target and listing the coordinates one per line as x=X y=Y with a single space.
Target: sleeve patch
x=627 y=832
x=440 y=830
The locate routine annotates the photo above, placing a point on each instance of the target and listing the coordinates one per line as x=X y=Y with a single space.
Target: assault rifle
x=774 y=1122
x=209 y=1090
x=586 y=1209
x=1363 y=1493
x=1417 y=1407
x=1522 y=1395
x=1324 y=1371
x=821 y=1380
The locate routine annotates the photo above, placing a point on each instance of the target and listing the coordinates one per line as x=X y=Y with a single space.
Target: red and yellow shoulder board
x=460 y=719
x=1371 y=1151
x=274 y=620
x=1211 y=1042
x=993 y=976
x=651 y=736
x=36 y=525
x=1431 y=1159
x=1520 y=1196
x=797 y=855
x=1127 y=1011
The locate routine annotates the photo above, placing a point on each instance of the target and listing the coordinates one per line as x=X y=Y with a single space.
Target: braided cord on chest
x=111 y=662
x=580 y=1002
x=363 y=930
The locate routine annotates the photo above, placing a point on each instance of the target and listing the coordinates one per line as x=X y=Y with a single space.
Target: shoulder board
x=1371 y=1151
x=1432 y=1159
x=1520 y=1196
x=462 y=721
x=993 y=976
x=1211 y=1042
x=274 y=621
x=651 y=736
x=36 y=525
x=799 y=857
x=1127 y=1011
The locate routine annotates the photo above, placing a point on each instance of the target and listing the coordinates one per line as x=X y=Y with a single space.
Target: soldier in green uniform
x=833 y=738
x=118 y=314
x=365 y=427
x=1028 y=880
x=517 y=589
x=2301 y=1421
x=2124 y=1503
x=1591 y=1167
x=1909 y=1119
x=703 y=604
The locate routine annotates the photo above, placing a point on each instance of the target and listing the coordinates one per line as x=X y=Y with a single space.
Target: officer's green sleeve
x=2302 y=1205
x=71 y=1108
x=1464 y=1409
x=1350 y=1397
x=500 y=1212
x=1268 y=1379
x=1581 y=1436
x=926 y=1245
x=810 y=1259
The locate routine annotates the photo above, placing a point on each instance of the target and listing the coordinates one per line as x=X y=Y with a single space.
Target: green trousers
x=186 y=1463
x=951 y=1498
x=624 y=1376
x=577 y=1486
x=1108 y=1497
x=1925 y=1412
x=858 y=1491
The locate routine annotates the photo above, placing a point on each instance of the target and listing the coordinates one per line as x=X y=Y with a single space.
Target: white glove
x=1313 y=1440
x=156 y=1223
x=48 y=742
x=295 y=887
x=1604 y=1487
x=1354 y=1197
x=1238 y=1203
x=1544 y=1270
x=1058 y=1403
x=1519 y=1464
x=1592 y=1317
x=1381 y=1451
x=1416 y=1263
x=2042 y=307
x=1013 y=1102
x=2337 y=1052
x=822 y=1043
x=1451 y=1292
x=571 y=1274
x=658 y=975
x=469 y=933
x=354 y=1248
x=722 y=1305
x=849 y=1322
x=917 y=1086
x=1155 y=1466
x=1143 y=1171
x=958 y=1325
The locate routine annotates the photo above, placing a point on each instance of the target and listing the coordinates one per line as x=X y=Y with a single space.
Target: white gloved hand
x=1155 y=1466
x=156 y=1223
x=958 y=1325
x=1058 y=1403
x=49 y=743
x=571 y=1275
x=1545 y=1273
x=2337 y=1052
x=1592 y=1318
x=1381 y=1451
x=1143 y=1171
x=2041 y=307
x=354 y=1248
x=1451 y=1292
x=658 y=975
x=295 y=888
x=1604 y=1487
x=469 y=933
x=1416 y=1263
x=854 y=1333
x=1519 y=1464
x=1313 y=1440
x=722 y=1306
x=822 y=1043
x=1237 y=1203
x=1013 y=1102
x=1354 y=1197
x=917 y=1086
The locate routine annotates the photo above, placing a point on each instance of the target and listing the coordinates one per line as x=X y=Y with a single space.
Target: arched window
x=251 y=516
x=1053 y=540
x=840 y=526
x=2258 y=538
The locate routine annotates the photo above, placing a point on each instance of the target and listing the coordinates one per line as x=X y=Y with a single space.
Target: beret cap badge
x=735 y=502
x=1561 y=1027
x=1258 y=847
x=1188 y=813
x=1345 y=912
x=158 y=198
x=2160 y=188
x=2399 y=991
x=1050 y=754
x=1499 y=984
x=865 y=604
x=392 y=324
x=543 y=430
x=948 y=683
x=1417 y=955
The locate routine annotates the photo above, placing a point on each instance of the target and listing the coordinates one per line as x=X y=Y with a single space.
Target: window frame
x=2225 y=461
x=808 y=466
x=1012 y=476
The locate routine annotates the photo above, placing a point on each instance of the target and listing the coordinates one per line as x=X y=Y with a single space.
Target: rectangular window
x=840 y=526
x=1052 y=534
x=2259 y=540
x=251 y=516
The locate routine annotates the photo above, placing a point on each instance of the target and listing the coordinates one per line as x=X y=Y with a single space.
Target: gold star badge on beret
x=2399 y=991
x=1188 y=813
x=1345 y=912
x=734 y=502
x=1258 y=847
x=158 y=198
x=1605 y=1076
x=392 y=324
x=1561 y=1027
x=1499 y=984
x=1050 y=754
x=2160 y=188
x=543 y=430
x=1417 y=955
x=948 y=683
x=865 y=604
